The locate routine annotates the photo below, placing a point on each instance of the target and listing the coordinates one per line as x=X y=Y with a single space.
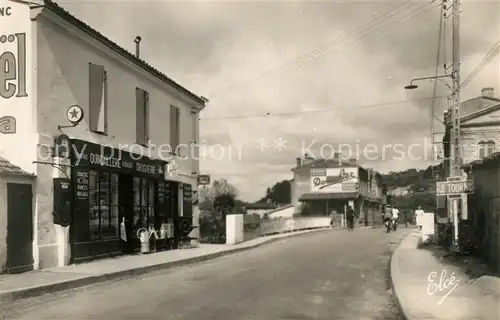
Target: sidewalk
x=46 y=281
x=410 y=272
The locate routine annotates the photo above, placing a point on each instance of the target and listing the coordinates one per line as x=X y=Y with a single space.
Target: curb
x=30 y=292
x=402 y=314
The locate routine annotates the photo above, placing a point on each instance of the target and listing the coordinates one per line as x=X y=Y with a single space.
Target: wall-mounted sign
x=336 y=180
x=75 y=114
x=454 y=187
x=90 y=155
x=203 y=179
x=7 y=124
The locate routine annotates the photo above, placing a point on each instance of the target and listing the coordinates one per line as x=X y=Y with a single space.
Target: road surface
x=332 y=274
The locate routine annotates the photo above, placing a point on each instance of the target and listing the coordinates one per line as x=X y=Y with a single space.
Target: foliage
x=216 y=201
x=280 y=193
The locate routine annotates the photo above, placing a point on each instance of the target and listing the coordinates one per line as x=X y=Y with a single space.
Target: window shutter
x=96 y=80
x=173 y=128
x=139 y=106
x=146 y=116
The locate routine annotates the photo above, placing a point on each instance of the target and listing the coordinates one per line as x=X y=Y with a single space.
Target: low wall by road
x=241 y=228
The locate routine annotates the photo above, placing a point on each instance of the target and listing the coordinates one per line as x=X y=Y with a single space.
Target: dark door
x=126 y=200
x=19 y=228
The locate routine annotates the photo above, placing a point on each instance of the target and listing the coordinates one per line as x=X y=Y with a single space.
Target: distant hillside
x=419 y=180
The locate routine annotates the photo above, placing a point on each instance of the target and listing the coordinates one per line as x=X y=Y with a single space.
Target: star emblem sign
x=75 y=114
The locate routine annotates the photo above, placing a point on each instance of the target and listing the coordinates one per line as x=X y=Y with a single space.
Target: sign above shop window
x=90 y=155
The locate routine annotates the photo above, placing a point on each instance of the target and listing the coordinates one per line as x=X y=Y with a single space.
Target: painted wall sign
x=12 y=72
x=336 y=180
x=7 y=125
x=13 y=66
x=5 y=11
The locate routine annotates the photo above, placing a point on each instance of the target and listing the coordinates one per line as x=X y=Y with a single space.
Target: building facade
x=331 y=185
x=136 y=127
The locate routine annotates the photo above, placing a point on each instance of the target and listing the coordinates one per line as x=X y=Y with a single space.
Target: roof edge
x=68 y=17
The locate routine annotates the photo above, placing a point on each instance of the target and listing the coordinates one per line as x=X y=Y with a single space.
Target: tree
x=216 y=201
x=280 y=193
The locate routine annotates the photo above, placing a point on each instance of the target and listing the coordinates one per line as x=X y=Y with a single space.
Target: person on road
x=333 y=215
x=419 y=213
x=350 y=218
x=395 y=215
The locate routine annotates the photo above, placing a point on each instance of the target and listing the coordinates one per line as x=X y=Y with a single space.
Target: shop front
x=112 y=186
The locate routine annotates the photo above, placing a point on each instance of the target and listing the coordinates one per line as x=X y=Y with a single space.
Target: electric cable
x=283 y=114
x=321 y=52
x=484 y=62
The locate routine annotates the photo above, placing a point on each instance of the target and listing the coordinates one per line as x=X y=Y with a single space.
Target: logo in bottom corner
x=445 y=284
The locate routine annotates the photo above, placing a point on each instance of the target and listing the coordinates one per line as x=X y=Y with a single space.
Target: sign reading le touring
x=454 y=187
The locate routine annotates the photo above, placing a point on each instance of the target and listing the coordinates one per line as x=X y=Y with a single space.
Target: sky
x=284 y=78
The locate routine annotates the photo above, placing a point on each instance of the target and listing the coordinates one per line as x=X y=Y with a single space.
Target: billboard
x=335 y=180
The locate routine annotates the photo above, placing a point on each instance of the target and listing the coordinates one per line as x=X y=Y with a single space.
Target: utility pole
x=455 y=158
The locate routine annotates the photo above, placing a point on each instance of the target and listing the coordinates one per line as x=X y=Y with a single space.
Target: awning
x=329 y=196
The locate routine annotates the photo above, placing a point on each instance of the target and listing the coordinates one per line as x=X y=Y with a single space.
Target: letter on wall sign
x=12 y=68
x=7 y=125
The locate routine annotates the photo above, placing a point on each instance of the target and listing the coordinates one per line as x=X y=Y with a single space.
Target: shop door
x=19 y=228
x=126 y=200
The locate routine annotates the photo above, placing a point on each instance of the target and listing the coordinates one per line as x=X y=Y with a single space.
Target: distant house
x=400 y=191
x=324 y=185
x=259 y=208
x=479 y=128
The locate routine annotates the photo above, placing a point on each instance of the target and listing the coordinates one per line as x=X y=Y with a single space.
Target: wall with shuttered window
x=73 y=69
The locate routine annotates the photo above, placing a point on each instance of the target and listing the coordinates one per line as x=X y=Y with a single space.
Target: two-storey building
x=479 y=138
x=325 y=185
x=99 y=128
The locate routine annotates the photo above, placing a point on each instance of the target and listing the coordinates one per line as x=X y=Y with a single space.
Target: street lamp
x=412 y=85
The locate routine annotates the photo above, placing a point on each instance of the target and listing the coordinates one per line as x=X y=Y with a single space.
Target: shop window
x=103 y=198
x=144 y=203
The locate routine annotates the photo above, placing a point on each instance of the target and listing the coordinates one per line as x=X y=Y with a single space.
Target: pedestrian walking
x=333 y=216
x=350 y=218
x=419 y=213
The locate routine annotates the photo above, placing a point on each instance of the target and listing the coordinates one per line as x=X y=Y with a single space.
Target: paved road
x=327 y=275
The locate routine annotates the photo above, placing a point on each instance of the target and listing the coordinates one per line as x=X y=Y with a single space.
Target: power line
x=284 y=114
x=484 y=62
x=323 y=51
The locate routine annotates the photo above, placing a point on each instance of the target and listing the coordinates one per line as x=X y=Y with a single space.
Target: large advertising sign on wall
x=16 y=124
x=335 y=180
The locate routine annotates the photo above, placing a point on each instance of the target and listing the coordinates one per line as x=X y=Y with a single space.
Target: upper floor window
x=142 y=116
x=98 y=99
x=486 y=148
x=175 y=128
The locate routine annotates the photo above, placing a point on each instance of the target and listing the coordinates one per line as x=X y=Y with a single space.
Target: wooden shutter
x=174 y=127
x=96 y=94
x=142 y=115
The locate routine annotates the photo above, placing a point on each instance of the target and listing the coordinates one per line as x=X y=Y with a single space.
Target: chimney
x=137 y=41
x=488 y=92
x=299 y=162
x=307 y=159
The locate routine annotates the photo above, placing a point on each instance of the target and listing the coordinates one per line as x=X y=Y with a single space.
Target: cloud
x=243 y=57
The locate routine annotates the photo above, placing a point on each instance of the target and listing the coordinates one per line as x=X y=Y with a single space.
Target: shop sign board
x=454 y=187
x=332 y=180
